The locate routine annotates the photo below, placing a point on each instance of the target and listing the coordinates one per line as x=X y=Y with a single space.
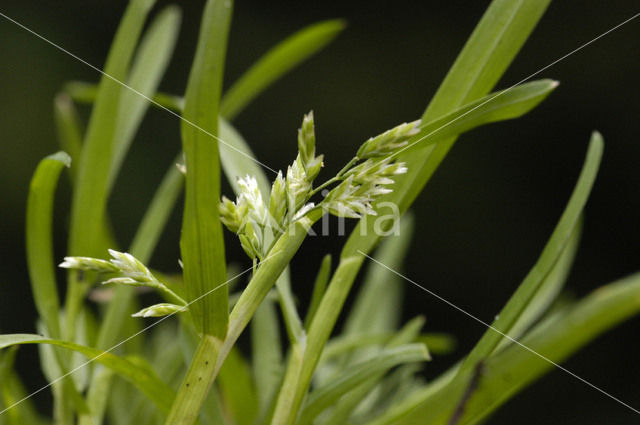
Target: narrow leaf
x=40 y=239
x=149 y=65
x=326 y=396
x=549 y=257
x=68 y=129
x=152 y=386
x=90 y=192
x=267 y=353
x=277 y=62
x=201 y=243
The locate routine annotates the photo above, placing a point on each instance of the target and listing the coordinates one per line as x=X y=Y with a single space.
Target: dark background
x=484 y=217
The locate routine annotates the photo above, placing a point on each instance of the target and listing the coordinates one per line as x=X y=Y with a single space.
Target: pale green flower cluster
x=129 y=271
x=259 y=222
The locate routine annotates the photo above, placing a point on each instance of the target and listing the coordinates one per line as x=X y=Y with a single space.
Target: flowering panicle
x=128 y=271
x=365 y=178
x=389 y=141
x=258 y=224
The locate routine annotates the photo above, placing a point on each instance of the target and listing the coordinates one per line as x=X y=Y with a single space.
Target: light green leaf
x=319 y=287
x=551 y=253
x=40 y=239
x=149 y=65
x=327 y=395
x=237 y=390
x=12 y=391
x=277 y=62
x=549 y=288
x=97 y=397
x=90 y=192
x=511 y=370
x=377 y=305
x=499 y=106
x=157 y=214
x=83 y=92
x=69 y=129
x=152 y=386
x=267 y=353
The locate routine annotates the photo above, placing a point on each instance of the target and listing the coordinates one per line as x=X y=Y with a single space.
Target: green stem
x=289 y=402
x=190 y=397
x=264 y=279
x=337 y=177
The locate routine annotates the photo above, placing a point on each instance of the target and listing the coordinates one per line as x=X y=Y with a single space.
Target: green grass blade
x=69 y=129
x=551 y=253
x=326 y=396
x=511 y=370
x=319 y=287
x=549 y=288
x=557 y=338
x=277 y=62
x=88 y=208
x=12 y=391
x=496 y=40
x=499 y=106
x=290 y=399
x=157 y=214
x=377 y=305
x=381 y=391
x=237 y=390
x=152 y=386
x=201 y=243
x=83 y=92
x=97 y=397
x=90 y=194
x=147 y=69
x=40 y=239
x=266 y=353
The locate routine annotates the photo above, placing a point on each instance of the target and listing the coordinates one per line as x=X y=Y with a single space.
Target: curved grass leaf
x=499 y=106
x=277 y=62
x=511 y=370
x=551 y=254
x=83 y=92
x=68 y=129
x=40 y=239
x=548 y=290
x=329 y=394
x=148 y=67
x=152 y=386
x=377 y=305
x=90 y=192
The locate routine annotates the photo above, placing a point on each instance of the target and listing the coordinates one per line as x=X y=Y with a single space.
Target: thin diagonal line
x=505 y=91
x=95 y=68
x=531 y=350
x=91 y=360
